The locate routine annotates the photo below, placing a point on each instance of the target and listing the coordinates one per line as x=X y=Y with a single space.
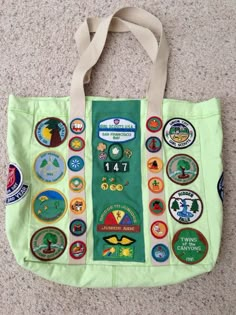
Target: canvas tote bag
x=107 y=192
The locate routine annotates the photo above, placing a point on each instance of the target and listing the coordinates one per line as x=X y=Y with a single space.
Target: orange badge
x=77 y=205
x=155 y=184
x=154 y=164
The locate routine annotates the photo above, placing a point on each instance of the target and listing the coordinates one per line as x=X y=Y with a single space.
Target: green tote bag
x=107 y=192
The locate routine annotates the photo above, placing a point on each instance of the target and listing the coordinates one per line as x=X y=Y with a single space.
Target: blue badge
x=15 y=179
x=77 y=227
x=50 y=167
x=220 y=187
x=75 y=163
x=153 y=144
x=160 y=253
x=20 y=194
x=51 y=132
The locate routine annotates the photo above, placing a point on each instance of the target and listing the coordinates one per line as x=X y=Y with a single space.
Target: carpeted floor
x=37 y=58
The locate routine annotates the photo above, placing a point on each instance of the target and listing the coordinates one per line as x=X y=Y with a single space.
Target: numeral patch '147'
x=116 y=167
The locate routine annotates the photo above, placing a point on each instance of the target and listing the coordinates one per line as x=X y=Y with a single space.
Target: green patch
x=117 y=200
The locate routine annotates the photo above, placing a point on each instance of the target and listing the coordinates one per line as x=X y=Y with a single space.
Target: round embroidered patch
x=77 y=250
x=220 y=187
x=77 y=126
x=157 y=206
x=115 y=152
x=185 y=206
x=77 y=184
x=154 y=164
x=190 y=246
x=159 y=229
x=182 y=169
x=102 y=156
x=49 y=206
x=51 y=132
x=75 y=163
x=160 y=253
x=48 y=243
x=78 y=227
x=154 y=124
x=156 y=185
x=14 y=180
x=76 y=144
x=179 y=133
x=153 y=144
x=49 y=167
x=77 y=205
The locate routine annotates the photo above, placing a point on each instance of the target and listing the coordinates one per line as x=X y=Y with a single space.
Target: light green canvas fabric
x=25 y=113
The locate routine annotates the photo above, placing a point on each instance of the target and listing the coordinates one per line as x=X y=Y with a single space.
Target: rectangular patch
x=116 y=181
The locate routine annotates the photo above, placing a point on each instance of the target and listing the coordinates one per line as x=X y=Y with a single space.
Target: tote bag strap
x=145 y=37
x=157 y=81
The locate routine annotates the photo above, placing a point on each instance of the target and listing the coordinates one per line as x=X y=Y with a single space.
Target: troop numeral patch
x=48 y=243
x=182 y=169
x=190 y=246
x=179 y=133
x=121 y=167
x=185 y=206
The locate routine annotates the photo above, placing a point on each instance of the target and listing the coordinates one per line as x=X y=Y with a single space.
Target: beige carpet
x=37 y=57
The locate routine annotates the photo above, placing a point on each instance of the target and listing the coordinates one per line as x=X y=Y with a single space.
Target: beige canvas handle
x=144 y=36
x=158 y=76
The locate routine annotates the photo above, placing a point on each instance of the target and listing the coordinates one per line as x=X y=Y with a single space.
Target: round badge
x=49 y=206
x=160 y=253
x=154 y=164
x=190 y=246
x=14 y=180
x=115 y=151
x=185 y=206
x=78 y=227
x=154 y=124
x=179 y=133
x=104 y=186
x=159 y=229
x=77 y=205
x=77 y=184
x=220 y=187
x=153 y=144
x=182 y=169
x=48 y=243
x=157 y=206
x=75 y=163
x=77 y=250
x=77 y=126
x=76 y=144
x=51 y=132
x=49 y=167
x=156 y=185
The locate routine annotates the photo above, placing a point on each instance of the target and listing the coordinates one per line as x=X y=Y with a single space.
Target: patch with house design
x=185 y=206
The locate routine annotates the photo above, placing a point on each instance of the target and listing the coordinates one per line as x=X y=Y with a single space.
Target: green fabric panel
x=206 y=118
x=130 y=196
